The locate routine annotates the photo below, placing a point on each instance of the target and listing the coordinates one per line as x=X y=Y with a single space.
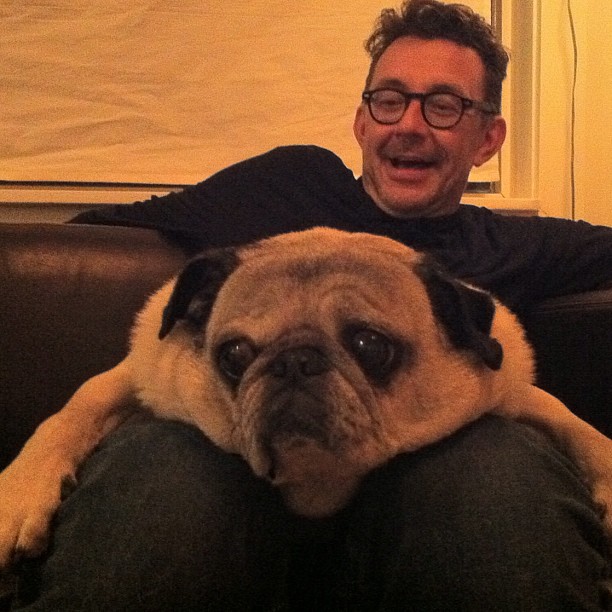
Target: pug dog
x=317 y=356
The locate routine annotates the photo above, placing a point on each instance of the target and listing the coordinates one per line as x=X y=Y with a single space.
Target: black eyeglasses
x=440 y=110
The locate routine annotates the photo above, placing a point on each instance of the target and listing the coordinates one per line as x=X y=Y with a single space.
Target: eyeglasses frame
x=466 y=103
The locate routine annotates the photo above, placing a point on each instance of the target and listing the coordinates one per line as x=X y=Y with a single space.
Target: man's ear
x=359 y=124
x=493 y=139
x=196 y=288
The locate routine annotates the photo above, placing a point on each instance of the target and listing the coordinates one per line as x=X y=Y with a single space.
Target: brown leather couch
x=68 y=294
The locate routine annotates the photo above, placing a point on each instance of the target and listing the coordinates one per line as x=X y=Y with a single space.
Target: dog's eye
x=375 y=352
x=234 y=357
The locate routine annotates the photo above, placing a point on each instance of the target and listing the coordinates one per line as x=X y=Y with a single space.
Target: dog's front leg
x=31 y=487
x=587 y=447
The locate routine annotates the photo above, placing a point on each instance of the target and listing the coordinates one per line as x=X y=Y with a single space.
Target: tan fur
x=302 y=290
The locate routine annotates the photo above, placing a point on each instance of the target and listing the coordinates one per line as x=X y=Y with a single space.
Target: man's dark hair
x=430 y=20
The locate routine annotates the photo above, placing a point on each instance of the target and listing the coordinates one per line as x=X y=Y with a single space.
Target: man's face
x=409 y=168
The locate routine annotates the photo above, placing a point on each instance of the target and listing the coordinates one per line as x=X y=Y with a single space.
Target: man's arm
x=286 y=189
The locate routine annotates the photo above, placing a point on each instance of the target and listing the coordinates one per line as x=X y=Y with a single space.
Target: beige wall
x=594 y=118
x=593 y=126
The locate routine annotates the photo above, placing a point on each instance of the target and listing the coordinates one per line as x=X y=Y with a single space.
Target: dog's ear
x=196 y=288
x=466 y=313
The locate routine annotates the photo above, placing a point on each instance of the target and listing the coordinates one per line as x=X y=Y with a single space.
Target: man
x=493 y=518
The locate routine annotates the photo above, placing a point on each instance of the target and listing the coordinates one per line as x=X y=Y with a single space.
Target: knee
x=148 y=441
x=492 y=506
x=172 y=468
x=491 y=459
x=493 y=472
x=165 y=484
x=159 y=516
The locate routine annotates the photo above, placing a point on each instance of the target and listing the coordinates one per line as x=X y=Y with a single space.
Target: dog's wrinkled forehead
x=311 y=257
x=326 y=242
x=321 y=252
x=263 y=276
x=316 y=276
x=302 y=270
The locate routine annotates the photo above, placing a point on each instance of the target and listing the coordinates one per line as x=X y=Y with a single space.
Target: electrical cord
x=573 y=111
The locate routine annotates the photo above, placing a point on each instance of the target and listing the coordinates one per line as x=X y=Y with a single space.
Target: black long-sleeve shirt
x=520 y=259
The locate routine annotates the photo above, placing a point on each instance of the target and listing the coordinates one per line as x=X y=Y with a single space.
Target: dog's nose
x=300 y=361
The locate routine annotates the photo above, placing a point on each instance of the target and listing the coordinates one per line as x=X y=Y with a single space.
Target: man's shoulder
x=480 y=224
x=552 y=234
x=296 y=159
x=469 y=213
x=310 y=152
x=287 y=169
x=292 y=163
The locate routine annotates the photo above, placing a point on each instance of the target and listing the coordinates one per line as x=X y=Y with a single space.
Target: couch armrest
x=67 y=300
x=572 y=336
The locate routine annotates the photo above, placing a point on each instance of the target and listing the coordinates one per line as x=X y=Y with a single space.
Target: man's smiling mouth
x=410 y=164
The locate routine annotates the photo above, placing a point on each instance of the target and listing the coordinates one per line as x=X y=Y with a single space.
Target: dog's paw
x=28 y=502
